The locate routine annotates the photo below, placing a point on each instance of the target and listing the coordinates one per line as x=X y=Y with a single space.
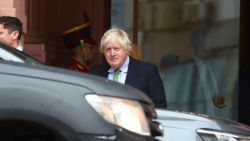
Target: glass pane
x=195 y=44
x=122 y=15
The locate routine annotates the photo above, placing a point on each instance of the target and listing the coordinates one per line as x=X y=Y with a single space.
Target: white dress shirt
x=20 y=47
x=123 y=74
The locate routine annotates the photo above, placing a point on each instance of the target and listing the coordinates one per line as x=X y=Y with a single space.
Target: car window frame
x=12 y=54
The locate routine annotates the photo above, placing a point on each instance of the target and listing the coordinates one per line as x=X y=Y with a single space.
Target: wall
x=45 y=20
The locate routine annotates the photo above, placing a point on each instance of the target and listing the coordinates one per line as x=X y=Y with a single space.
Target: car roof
x=97 y=84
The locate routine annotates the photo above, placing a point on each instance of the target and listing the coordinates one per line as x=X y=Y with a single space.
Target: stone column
x=34 y=42
x=14 y=8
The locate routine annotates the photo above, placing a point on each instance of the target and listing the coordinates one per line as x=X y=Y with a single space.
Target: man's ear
x=15 y=35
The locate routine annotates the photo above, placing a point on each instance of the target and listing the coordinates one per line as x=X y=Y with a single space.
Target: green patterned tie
x=117 y=72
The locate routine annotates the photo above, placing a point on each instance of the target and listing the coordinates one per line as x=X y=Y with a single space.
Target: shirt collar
x=123 y=68
x=19 y=47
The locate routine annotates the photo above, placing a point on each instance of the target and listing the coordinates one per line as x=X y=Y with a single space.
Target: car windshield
x=10 y=54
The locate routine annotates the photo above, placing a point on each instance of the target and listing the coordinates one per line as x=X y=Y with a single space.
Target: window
x=194 y=43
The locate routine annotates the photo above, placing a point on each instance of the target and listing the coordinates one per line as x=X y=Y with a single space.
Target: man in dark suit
x=115 y=45
x=11 y=30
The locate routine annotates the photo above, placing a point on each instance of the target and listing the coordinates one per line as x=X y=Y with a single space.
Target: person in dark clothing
x=121 y=67
x=11 y=30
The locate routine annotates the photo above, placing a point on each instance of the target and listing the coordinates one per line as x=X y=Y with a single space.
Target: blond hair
x=116 y=34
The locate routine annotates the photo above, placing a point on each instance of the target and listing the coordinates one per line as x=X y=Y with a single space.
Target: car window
x=10 y=54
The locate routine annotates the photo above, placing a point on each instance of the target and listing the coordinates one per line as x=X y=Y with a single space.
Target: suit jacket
x=141 y=75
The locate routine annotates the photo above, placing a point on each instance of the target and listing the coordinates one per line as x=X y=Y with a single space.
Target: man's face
x=5 y=36
x=115 y=55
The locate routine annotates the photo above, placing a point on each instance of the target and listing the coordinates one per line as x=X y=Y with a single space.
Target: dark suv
x=40 y=103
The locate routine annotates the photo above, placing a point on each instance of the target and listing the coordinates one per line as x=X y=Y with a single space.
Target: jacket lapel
x=132 y=72
x=105 y=73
